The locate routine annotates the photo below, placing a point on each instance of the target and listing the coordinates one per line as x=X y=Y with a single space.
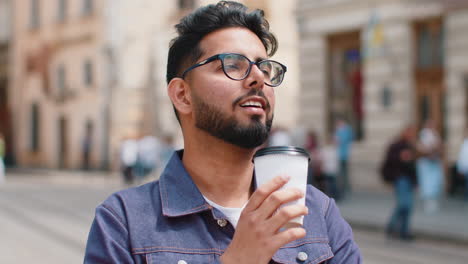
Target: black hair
x=184 y=50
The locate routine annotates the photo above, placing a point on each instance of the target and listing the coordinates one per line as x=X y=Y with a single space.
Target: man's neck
x=222 y=172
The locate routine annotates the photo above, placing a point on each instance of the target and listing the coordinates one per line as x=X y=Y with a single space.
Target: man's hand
x=257 y=235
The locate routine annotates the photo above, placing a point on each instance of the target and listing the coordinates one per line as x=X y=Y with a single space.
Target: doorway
x=345 y=82
x=429 y=73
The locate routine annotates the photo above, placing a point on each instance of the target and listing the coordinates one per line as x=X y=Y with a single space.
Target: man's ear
x=179 y=93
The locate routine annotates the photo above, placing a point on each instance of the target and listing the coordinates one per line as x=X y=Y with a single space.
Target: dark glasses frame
x=223 y=55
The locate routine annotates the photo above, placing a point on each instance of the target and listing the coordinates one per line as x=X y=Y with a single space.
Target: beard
x=212 y=120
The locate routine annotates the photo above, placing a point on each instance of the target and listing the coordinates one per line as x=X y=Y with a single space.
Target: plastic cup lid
x=288 y=150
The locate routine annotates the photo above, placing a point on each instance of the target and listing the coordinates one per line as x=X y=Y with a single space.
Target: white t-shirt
x=232 y=214
x=429 y=138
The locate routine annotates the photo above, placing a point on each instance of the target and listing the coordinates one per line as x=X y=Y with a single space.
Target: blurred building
x=382 y=64
x=86 y=74
x=5 y=38
x=56 y=89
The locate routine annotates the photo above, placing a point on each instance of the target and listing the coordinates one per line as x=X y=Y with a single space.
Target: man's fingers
x=264 y=191
x=276 y=199
x=286 y=214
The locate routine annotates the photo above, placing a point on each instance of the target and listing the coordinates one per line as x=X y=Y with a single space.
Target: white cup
x=283 y=160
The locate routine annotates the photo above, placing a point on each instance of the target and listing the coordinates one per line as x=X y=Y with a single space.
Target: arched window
x=34 y=14
x=87 y=7
x=62 y=10
x=88 y=76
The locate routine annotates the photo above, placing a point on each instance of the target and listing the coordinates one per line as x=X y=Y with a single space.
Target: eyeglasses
x=237 y=67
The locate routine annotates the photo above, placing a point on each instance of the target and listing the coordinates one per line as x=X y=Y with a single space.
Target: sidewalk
x=372 y=211
x=69 y=177
x=366 y=210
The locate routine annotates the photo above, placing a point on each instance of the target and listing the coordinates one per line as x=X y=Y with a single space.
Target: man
x=344 y=138
x=2 y=154
x=401 y=158
x=128 y=158
x=462 y=162
x=205 y=207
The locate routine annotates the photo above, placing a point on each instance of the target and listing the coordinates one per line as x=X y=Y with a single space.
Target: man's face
x=238 y=112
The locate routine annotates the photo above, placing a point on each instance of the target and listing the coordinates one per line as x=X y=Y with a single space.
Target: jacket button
x=222 y=222
x=302 y=256
x=181 y=262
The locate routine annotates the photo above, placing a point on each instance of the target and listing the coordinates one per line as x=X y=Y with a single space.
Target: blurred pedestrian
x=329 y=158
x=147 y=157
x=2 y=155
x=128 y=159
x=312 y=146
x=429 y=167
x=401 y=155
x=344 y=138
x=166 y=149
x=462 y=162
x=86 y=145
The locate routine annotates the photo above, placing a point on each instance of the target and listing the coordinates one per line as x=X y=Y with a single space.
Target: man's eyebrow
x=260 y=59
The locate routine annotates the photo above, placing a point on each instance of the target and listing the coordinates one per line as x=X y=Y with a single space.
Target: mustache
x=252 y=92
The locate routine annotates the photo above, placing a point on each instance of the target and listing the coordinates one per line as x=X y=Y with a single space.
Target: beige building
x=97 y=69
x=382 y=64
x=56 y=90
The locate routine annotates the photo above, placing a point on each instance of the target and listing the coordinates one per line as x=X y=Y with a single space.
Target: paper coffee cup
x=283 y=160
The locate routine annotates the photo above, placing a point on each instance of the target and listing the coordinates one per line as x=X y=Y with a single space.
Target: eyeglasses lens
x=237 y=67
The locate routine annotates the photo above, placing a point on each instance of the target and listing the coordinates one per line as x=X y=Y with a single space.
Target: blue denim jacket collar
x=179 y=194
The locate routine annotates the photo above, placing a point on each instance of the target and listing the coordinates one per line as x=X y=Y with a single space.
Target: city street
x=46 y=220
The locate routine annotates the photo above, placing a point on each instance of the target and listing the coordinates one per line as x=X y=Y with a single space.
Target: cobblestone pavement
x=46 y=218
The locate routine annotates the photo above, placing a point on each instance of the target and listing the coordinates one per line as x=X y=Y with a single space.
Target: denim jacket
x=168 y=221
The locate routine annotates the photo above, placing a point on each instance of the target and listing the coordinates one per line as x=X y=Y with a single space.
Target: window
x=430 y=41
x=88 y=73
x=61 y=80
x=87 y=7
x=186 y=4
x=345 y=93
x=62 y=10
x=34 y=18
x=35 y=129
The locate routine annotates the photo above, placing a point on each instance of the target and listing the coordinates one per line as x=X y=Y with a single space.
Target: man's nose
x=256 y=78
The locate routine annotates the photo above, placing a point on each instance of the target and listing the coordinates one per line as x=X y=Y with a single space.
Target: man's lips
x=255 y=102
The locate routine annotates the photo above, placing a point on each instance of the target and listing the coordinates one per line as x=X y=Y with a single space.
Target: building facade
x=56 y=90
x=382 y=65
x=86 y=74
